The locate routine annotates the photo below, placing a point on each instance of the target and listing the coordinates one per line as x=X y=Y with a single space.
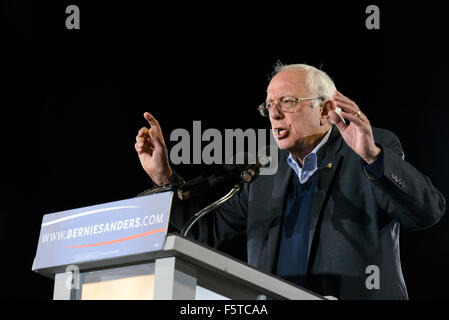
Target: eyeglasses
x=287 y=104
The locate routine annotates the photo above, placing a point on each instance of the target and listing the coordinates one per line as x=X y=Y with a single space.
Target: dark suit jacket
x=355 y=219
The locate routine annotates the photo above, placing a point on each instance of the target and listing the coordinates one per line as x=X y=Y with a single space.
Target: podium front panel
x=125 y=283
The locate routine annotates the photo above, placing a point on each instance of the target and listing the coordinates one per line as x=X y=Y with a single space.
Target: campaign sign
x=103 y=231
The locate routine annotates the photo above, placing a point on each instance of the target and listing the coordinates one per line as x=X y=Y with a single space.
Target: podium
x=183 y=270
x=120 y=250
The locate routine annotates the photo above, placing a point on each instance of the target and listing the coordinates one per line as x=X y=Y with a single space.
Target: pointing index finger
x=151 y=120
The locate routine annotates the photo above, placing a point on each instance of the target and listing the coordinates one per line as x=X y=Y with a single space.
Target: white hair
x=317 y=82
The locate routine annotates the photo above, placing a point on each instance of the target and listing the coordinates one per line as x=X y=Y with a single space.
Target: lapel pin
x=329 y=165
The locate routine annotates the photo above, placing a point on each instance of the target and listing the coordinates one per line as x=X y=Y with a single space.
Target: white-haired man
x=335 y=205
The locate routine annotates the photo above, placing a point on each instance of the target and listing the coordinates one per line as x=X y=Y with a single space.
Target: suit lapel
x=279 y=194
x=326 y=174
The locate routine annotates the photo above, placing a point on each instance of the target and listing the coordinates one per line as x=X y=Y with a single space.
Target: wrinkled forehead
x=287 y=83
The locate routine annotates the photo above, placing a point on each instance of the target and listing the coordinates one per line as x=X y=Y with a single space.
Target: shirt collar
x=323 y=141
x=310 y=164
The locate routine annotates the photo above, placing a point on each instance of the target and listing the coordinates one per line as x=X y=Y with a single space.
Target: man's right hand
x=152 y=152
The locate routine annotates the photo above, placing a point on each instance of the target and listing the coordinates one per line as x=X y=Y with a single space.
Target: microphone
x=251 y=172
x=201 y=184
x=234 y=173
x=247 y=175
x=198 y=186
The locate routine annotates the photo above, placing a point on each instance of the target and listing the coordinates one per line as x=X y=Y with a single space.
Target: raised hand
x=152 y=152
x=358 y=134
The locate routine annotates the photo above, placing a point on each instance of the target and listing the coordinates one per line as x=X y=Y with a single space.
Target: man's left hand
x=358 y=134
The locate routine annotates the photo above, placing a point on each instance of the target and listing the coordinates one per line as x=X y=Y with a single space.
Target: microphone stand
x=247 y=176
x=236 y=188
x=155 y=190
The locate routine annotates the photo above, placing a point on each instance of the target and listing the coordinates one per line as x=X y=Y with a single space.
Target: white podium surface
x=183 y=270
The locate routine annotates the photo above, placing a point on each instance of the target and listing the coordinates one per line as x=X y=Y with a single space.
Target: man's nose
x=275 y=112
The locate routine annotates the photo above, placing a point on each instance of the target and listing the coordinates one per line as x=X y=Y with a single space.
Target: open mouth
x=280 y=133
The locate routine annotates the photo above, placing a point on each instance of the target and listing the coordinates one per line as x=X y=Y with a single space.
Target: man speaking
x=334 y=208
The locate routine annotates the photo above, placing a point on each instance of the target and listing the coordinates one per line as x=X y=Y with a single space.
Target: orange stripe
x=120 y=240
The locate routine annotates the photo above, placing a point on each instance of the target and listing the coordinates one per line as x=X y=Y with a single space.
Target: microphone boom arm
x=235 y=189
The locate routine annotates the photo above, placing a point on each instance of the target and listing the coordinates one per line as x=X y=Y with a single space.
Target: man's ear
x=327 y=107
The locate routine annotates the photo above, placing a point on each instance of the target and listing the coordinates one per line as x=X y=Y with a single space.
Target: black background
x=72 y=100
